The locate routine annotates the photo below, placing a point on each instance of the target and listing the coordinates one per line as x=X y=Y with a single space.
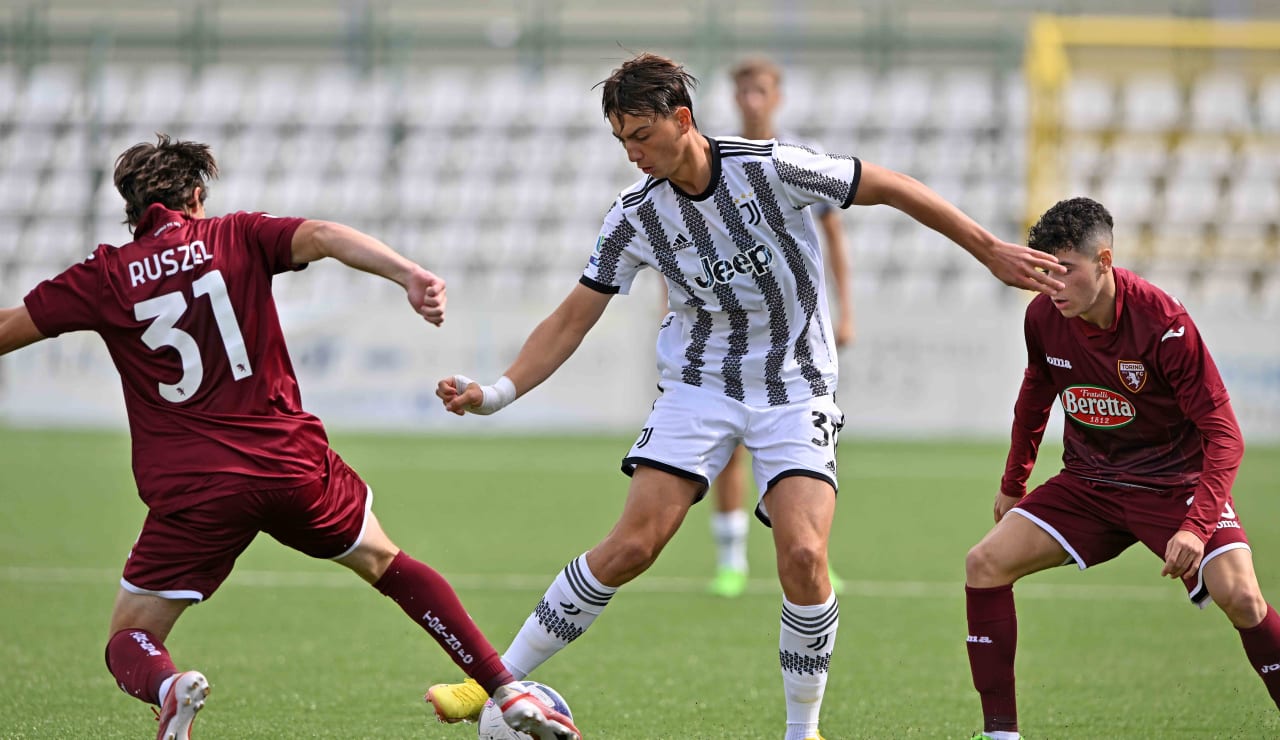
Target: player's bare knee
x=981 y=569
x=628 y=557
x=1244 y=606
x=802 y=558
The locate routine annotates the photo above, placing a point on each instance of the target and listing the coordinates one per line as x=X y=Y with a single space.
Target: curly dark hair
x=1073 y=224
x=647 y=84
x=166 y=172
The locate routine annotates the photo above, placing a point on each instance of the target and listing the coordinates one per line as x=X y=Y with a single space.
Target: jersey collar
x=156 y=220
x=715 y=174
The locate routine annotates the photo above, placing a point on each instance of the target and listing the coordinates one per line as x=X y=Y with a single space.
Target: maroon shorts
x=187 y=554
x=1095 y=521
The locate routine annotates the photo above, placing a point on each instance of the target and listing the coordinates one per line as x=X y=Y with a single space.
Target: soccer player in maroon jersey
x=222 y=449
x=1152 y=448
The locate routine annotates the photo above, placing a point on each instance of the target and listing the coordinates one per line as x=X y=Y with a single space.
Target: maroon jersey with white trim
x=1130 y=393
x=187 y=315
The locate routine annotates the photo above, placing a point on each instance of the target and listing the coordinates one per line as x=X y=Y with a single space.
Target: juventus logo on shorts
x=645 y=434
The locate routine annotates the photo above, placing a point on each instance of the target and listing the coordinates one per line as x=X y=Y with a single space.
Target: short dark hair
x=647 y=84
x=1072 y=224
x=166 y=172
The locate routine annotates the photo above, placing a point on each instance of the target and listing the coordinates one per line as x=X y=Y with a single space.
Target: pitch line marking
x=522 y=582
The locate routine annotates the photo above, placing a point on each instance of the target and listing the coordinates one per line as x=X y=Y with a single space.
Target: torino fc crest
x=1132 y=373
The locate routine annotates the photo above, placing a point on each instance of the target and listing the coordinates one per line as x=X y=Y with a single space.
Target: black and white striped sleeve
x=614 y=263
x=810 y=177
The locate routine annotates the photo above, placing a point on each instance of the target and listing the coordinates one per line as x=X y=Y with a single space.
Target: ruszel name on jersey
x=182 y=258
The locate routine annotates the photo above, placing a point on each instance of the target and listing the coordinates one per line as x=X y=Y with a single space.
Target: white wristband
x=496 y=396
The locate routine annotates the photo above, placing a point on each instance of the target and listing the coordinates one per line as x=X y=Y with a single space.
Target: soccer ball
x=492 y=727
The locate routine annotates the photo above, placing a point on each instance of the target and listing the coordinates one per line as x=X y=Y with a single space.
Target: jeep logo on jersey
x=755 y=260
x=1132 y=373
x=1101 y=408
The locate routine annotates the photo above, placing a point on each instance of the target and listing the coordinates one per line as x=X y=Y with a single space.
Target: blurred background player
x=222 y=448
x=757 y=92
x=746 y=358
x=1152 y=448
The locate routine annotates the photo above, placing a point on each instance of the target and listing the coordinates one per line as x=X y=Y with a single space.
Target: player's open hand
x=426 y=292
x=1182 y=555
x=459 y=397
x=1024 y=267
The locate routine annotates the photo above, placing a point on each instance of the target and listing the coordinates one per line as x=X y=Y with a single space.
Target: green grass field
x=301 y=649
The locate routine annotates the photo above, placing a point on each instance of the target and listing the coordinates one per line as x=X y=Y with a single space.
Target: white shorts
x=692 y=432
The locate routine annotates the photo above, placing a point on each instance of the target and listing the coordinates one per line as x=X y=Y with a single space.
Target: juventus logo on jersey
x=752 y=211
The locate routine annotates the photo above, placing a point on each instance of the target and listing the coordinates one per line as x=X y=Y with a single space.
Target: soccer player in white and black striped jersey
x=746 y=355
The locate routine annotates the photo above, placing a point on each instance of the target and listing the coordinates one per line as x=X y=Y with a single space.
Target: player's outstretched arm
x=318 y=239
x=551 y=343
x=1013 y=264
x=17 y=330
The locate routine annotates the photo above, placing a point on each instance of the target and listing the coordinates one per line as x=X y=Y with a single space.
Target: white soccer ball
x=492 y=727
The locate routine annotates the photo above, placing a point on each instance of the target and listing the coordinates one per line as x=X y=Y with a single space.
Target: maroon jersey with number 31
x=187 y=315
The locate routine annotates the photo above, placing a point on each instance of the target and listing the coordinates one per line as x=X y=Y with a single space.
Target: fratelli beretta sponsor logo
x=1094 y=406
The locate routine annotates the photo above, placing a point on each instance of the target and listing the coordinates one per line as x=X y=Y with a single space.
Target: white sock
x=729 y=528
x=805 y=643
x=572 y=602
x=1002 y=735
x=165 y=686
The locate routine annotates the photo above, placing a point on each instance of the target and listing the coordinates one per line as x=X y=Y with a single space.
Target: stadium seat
x=1220 y=102
x=109 y=93
x=1190 y=201
x=218 y=93
x=1268 y=97
x=1252 y=200
x=1131 y=198
x=1135 y=155
x=1089 y=102
x=904 y=100
x=49 y=94
x=18 y=190
x=274 y=95
x=845 y=98
x=967 y=100
x=1242 y=242
x=1201 y=157
x=1151 y=102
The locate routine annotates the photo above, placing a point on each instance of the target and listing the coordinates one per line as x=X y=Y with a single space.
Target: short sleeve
x=614 y=264
x=809 y=177
x=271 y=236
x=69 y=301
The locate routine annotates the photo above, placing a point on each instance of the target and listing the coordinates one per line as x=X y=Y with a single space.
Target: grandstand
x=470 y=139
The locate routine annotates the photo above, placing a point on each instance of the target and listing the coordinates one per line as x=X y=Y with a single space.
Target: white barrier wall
x=925 y=363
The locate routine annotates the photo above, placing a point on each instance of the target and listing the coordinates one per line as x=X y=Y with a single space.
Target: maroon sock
x=140 y=663
x=992 y=642
x=430 y=601
x=1262 y=645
